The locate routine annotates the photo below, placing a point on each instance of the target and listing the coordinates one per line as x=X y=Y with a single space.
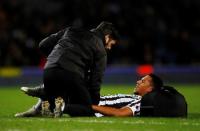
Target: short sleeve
x=135 y=107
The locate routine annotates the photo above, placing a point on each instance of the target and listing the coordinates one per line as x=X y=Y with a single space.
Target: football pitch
x=13 y=101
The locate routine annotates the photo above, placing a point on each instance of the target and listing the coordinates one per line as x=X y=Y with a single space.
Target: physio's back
x=76 y=51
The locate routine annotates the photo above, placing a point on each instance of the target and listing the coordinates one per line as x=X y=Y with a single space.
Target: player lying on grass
x=111 y=105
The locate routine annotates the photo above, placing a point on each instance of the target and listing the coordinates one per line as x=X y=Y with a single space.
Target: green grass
x=12 y=101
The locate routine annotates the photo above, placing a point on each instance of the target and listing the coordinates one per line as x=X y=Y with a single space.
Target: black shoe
x=29 y=113
x=37 y=91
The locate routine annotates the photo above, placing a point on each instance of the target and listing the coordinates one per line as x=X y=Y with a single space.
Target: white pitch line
x=140 y=122
x=99 y=120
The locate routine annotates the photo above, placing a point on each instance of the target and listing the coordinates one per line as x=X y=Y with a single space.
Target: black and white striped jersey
x=121 y=100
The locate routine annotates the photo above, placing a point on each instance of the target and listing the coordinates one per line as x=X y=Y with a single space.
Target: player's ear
x=107 y=38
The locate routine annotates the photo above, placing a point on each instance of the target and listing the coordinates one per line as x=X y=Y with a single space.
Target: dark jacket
x=78 y=51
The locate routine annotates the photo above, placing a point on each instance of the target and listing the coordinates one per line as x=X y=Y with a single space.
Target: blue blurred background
x=160 y=36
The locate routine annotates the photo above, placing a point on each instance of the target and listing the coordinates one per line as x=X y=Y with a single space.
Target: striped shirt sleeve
x=135 y=106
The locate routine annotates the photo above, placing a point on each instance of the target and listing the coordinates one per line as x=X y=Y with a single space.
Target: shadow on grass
x=194 y=115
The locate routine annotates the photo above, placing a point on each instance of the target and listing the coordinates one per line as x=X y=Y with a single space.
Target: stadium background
x=156 y=36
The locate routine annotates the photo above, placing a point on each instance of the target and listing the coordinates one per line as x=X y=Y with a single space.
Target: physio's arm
x=47 y=44
x=111 y=111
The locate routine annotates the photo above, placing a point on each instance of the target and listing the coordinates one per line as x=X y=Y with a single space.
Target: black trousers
x=71 y=87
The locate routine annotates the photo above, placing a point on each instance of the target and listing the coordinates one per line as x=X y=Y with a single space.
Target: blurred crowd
x=162 y=32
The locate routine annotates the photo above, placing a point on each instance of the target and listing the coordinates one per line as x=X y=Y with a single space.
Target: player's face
x=144 y=85
x=109 y=42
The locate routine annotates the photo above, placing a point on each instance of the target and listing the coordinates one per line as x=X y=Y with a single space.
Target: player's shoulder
x=137 y=97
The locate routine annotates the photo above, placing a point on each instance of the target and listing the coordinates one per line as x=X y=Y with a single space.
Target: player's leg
x=45 y=109
x=37 y=91
x=33 y=111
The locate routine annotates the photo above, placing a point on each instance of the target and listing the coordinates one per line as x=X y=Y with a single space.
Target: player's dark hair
x=108 y=28
x=157 y=81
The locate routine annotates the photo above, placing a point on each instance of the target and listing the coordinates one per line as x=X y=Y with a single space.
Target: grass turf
x=12 y=101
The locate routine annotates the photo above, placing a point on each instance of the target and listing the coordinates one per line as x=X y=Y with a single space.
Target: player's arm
x=47 y=44
x=111 y=111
